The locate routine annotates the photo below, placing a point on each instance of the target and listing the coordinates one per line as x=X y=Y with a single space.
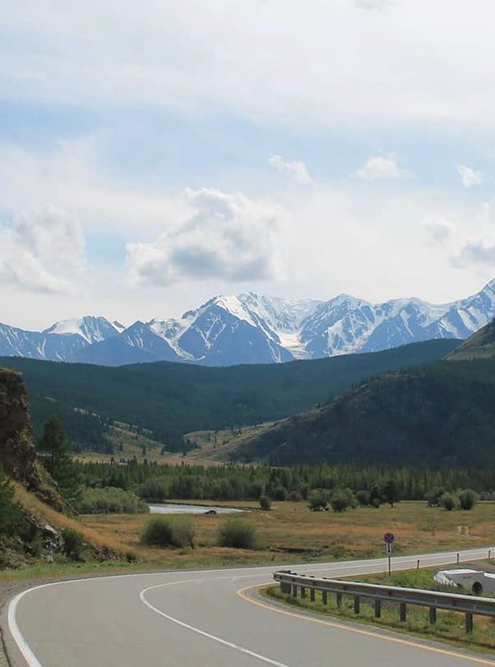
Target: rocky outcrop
x=17 y=450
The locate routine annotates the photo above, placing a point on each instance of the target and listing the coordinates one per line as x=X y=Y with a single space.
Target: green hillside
x=440 y=414
x=166 y=400
x=480 y=345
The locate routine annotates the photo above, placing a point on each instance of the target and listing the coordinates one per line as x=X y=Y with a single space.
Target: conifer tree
x=55 y=447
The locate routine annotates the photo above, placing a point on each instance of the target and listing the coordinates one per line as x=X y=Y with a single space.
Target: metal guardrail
x=292 y=584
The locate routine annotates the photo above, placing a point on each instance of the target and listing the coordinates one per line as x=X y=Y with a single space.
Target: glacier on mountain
x=251 y=328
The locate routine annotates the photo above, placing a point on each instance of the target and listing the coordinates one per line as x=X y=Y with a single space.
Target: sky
x=156 y=153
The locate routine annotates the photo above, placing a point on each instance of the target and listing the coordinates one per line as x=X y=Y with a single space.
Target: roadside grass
x=450 y=626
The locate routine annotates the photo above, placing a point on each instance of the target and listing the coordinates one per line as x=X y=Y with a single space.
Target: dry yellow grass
x=291 y=532
x=36 y=507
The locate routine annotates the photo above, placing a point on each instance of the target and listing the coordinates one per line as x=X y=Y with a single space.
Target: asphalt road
x=207 y=619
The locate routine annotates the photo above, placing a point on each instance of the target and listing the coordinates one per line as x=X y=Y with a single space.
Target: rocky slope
x=17 y=450
x=254 y=329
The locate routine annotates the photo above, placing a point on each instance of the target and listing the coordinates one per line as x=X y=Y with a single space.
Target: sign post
x=389 y=538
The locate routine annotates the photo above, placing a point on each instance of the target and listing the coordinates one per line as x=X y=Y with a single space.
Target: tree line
x=371 y=484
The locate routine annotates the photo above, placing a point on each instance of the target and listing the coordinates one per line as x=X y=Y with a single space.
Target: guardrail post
x=356 y=604
x=339 y=600
x=294 y=591
x=312 y=594
x=403 y=612
x=378 y=608
x=457 y=559
x=469 y=623
x=433 y=615
x=303 y=592
x=324 y=597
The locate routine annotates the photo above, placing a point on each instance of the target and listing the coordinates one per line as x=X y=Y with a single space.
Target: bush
x=265 y=503
x=449 y=502
x=281 y=493
x=342 y=499
x=433 y=496
x=363 y=498
x=467 y=499
x=318 y=498
x=238 y=534
x=164 y=531
x=110 y=500
x=73 y=544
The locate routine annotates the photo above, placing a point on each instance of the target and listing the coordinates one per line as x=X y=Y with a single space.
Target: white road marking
x=19 y=639
x=442 y=558
x=219 y=640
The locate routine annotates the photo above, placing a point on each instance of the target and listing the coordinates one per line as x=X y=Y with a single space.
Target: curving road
x=208 y=618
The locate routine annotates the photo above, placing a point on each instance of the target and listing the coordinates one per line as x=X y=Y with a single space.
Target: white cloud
x=373 y=4
x=476 y=253
x=469 y=177
x=195 y=59
x=226 y=236
x=382 y=168
x=439 y=229
x=295 y=170
x=42 y=252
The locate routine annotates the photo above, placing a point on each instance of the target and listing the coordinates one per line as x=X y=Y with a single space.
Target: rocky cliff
x=17 y=450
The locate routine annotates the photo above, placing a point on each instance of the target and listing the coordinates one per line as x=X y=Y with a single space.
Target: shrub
x=280 y=493
x=110 y=500
x=449 y=502
x=363 y=498
x=295 y=496
x=468 y=499
x=265 y=503
x=318 y=498
x=433 y=496
x=238 y=534
x=164 y=531
x=73 y=544
x=342 y=499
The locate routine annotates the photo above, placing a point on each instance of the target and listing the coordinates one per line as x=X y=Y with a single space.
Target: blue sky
x=153 y=154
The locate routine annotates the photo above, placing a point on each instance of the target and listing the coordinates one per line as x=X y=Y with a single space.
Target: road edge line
x=344 y=626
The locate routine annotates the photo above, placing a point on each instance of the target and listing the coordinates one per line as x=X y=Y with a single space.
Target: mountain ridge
x=252 y=329
x=438 y=414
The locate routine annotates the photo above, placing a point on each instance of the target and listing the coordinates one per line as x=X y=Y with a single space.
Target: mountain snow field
x=252 y=329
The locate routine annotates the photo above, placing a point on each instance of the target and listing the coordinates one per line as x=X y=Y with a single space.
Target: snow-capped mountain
x=60 y=342
x=251 y=328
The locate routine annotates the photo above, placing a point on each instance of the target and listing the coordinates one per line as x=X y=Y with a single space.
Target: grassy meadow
x=290 y=532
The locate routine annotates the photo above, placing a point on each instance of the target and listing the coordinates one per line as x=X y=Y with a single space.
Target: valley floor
x=291 y=532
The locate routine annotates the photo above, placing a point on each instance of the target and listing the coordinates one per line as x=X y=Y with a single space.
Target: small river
x=173 y=508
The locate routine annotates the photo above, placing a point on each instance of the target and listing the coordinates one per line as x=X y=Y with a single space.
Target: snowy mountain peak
x=253 y=328
x=91 y=329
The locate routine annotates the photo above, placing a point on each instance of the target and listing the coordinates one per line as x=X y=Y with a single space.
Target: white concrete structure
x=471 y=580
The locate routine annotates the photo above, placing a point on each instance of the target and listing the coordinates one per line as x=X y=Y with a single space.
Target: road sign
x=389 y=548
x=388 y=538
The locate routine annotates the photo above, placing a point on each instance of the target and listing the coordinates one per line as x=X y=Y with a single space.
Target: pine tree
x=56 y=448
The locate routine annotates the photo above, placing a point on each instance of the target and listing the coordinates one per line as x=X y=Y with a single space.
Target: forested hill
x=441 y=414
x=167 y=400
